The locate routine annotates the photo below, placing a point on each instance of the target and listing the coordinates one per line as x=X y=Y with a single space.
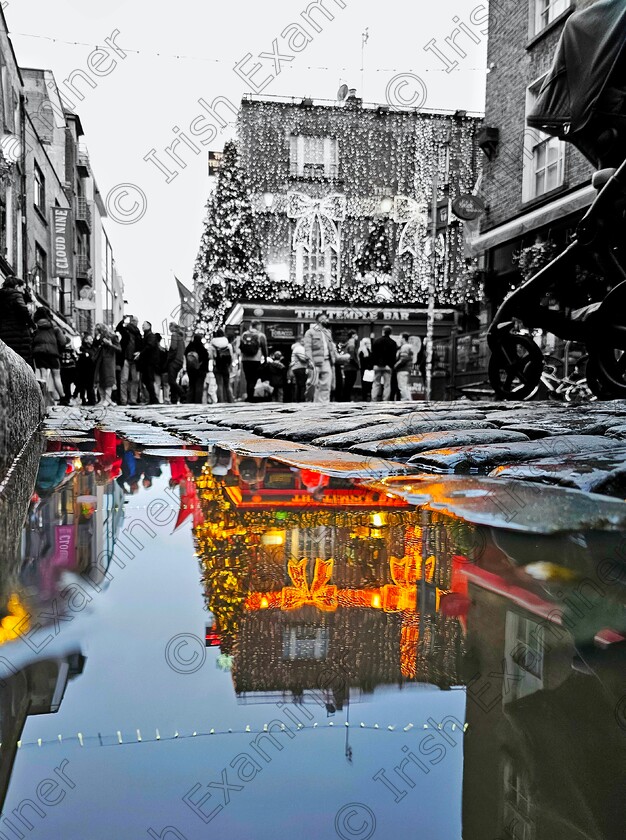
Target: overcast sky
x=134 y=108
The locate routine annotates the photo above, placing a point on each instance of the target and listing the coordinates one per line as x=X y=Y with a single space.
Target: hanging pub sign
x=61 y=242
x=215 y=162
x=468 y=207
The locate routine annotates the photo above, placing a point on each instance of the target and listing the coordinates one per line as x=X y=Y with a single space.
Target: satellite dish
x=342 y=93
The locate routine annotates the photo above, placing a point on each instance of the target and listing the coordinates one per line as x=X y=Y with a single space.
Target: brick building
x=327 y=178
x=536 y=187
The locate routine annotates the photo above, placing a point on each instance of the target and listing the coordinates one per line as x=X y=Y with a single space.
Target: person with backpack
x=197 y=364
x=222 y=357
x=253 y=349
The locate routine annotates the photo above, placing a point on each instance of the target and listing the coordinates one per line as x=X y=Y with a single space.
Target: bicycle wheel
x=515 y=368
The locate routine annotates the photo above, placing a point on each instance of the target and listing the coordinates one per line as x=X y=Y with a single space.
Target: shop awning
x=542 y=216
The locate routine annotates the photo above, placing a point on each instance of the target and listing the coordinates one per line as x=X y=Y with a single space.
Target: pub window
x=302 y=642
x=40 y=190
x=313 y=156
x=316 y=266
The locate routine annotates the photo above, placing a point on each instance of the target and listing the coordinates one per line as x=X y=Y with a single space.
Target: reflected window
x=304 y=642
x=524 y=646
x=518 y=824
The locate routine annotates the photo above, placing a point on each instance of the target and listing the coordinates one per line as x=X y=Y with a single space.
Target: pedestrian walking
x=352 y=365
x=222 y=356
x=384 y=352
x=85 y=372
x=320 y=349
x=175 y=362
x=403 y=367
x=48 y=344
x=16 y=324
x=106 y=345
x=299 y=368
x=160 y=376
x=277 y=376
x=149 y=360
x=69 y=358
x=367 y=368
x=253 y=349
x=197 y=364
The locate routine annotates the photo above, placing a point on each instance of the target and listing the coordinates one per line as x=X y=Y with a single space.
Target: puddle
x=310 y=643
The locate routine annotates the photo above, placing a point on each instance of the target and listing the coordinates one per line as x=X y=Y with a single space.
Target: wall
x=21 y=405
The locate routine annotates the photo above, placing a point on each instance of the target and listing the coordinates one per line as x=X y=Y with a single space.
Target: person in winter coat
x=277 y=376
x=68 y=370
x=384 y=352
x=131 y=345
x=320 y=349
x=16 y=325
x=149 y=360
x=367 y=368
x=222 y=358
x=48 y=344
x=299 y=367
x=197 y=364
x=352 y=366
x=85 y=372
x=106 y=345
x=175 y=361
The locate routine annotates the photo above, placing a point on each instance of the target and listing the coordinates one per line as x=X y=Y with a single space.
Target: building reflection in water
x=323 y=587
x=308 y=575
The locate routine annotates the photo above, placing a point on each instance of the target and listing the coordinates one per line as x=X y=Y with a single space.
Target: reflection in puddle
x=324 y=592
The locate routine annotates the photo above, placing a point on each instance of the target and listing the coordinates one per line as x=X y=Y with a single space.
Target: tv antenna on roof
x=342 y=93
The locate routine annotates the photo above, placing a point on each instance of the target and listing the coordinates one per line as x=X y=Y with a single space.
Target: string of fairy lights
x=229 y=61
x=120 y=739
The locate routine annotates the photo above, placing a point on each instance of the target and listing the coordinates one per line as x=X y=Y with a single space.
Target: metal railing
x=83 y=212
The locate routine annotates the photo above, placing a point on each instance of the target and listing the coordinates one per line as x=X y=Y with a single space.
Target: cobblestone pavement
x=487 y=462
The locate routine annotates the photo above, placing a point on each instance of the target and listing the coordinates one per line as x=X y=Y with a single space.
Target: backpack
x=223 y=357
x=193 y=360
x=250 y=344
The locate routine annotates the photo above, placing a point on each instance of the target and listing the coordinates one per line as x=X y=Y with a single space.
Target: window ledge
x=539 y=36
x=544 y=198
x=41 y=214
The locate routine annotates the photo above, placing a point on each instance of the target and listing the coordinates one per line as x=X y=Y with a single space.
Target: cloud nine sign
x=62 y=242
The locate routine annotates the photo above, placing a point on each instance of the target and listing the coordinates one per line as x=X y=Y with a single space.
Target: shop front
x=283 y=324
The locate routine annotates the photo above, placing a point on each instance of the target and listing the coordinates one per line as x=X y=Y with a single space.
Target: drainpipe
x=23 y=200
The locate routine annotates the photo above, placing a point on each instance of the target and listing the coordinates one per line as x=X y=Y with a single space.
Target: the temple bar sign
x=353 y=314
x=61 y=242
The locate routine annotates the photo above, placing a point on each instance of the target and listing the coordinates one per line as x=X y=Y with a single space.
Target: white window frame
x=326 y=272
x=535 y=142
x=313 y=156
x=524 y=646
x=546 y=11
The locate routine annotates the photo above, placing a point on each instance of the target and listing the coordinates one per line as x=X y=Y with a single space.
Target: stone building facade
x=329 y=179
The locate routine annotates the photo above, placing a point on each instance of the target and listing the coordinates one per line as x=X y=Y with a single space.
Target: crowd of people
x=129 y=365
